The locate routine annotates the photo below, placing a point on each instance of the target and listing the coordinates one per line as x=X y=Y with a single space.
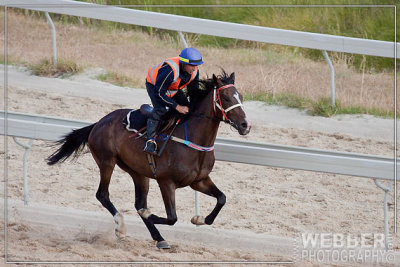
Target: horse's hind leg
x=207 y=187
x=103 y=195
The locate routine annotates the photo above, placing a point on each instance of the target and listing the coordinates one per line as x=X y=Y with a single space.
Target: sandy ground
x=260 y=200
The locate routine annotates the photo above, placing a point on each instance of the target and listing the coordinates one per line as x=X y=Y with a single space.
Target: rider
x=164 y=84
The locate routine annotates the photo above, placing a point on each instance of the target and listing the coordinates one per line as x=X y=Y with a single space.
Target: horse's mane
x=206 y=85
x=209 y=82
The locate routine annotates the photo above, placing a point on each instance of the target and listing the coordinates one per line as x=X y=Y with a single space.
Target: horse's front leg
x=207 y=187
x=141 y=191
x=168 y=193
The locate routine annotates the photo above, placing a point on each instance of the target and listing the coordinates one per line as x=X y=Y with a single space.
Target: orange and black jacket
x=168 y=77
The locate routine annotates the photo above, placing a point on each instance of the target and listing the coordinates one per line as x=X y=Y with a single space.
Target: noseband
x=218 y=104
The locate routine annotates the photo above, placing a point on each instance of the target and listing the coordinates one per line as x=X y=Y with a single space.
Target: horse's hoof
x=144 y=213
x=120 y=234
x=163 y=245
x=120 y=228
x=198 y=220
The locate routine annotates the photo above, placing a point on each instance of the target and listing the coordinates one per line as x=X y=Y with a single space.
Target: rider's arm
x=164 y=79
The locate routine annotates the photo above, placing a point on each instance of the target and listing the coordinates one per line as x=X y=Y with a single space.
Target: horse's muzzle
x=244 y=128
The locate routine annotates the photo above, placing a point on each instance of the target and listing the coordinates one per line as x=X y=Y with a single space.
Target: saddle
x=136 y=120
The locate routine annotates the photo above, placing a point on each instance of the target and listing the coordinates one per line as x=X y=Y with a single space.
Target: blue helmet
x=190 y=56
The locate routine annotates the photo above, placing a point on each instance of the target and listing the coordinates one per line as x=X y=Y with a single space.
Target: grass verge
x=64 y=68
x=322 y=107
x=289 y=100
x=117 y=79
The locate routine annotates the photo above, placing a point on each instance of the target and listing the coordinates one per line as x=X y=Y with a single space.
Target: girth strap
x=152 y=164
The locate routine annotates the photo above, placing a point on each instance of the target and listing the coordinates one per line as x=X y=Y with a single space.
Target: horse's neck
x=205 y=129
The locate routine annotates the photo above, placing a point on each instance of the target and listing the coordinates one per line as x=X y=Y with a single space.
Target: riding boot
x=151 y=146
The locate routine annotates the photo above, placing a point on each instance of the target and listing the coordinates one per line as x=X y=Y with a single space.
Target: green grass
x=322 y=107
x=64 y=68
x=117 y=79
x=371 y=111
x=288 y=100
x=11 y=61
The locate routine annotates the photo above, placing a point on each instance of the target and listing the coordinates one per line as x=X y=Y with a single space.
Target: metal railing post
x=54 y=38
x=183 y=39
x=333 y=101
x=385 y=210
x=25 y=167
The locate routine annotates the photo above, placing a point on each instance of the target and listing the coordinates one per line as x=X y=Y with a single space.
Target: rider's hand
x=182 y=109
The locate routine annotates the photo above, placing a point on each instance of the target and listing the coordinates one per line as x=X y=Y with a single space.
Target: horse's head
x=228 y=103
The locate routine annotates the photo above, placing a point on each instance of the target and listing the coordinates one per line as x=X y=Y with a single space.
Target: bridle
x=218 y=104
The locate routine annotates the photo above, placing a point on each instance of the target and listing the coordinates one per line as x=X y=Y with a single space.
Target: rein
x=203 y=116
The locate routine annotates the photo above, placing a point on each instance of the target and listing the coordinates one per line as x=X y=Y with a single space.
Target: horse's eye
x=226 y=98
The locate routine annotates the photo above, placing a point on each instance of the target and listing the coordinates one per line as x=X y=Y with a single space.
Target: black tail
x=74 y=142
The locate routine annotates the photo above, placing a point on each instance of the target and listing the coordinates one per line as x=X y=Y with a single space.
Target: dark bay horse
x=177 y=167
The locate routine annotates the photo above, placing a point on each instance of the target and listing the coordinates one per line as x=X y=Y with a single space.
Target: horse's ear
x=232 y=77
x=217 y=81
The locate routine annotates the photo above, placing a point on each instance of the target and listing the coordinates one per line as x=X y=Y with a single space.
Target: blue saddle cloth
x=136 y=119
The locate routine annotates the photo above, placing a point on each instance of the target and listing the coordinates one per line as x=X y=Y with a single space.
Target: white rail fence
x=31 y=126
